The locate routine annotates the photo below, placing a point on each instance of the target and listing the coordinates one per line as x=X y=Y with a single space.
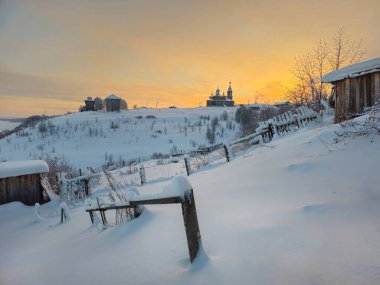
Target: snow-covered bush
x=248 y=120
x=57 y=165
x=367 y=125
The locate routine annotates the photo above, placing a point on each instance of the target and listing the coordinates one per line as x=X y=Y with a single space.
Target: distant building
x=89 y=104
x=355 y=88
x=21 y=181
x=220 y=100
x=255 y=107
x=98 y=104
x=113 y=103
x=284 y=106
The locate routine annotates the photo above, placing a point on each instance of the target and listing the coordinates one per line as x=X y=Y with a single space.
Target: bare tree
x=309 y=68
x=320 y=56
x=344 y=50
x=299 y=93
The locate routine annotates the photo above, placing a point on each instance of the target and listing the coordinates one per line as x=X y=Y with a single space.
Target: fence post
x=62 y=186
x=142 y=174
x=190 y=220
x=64 y=212
x=227 y=153
x=63 y=217
x=270 y=131
x=187 y=165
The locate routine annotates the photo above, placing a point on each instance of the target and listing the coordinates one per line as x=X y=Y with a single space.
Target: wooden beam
x=168 y=200
x=347 y=98
x=132 y=204
x=358 y=95
x=190 y=220
x=365 y=90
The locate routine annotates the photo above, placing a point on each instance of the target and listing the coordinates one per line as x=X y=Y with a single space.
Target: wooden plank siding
x=355 y=94
x=25 y=188
x=377 y=87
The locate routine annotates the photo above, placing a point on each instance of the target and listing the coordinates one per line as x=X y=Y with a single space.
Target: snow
x=8 y=125
x=355 y=70
x=300 y=210
x=18 y=168
x=87 y=139
x=179 y=187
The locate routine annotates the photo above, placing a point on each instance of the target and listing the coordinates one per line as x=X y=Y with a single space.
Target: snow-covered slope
x=92 y=138
x=7 y=125
x=301 y=210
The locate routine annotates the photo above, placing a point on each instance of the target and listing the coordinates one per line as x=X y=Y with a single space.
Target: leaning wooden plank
x=190 y=221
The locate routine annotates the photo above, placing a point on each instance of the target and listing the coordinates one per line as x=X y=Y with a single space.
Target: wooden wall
x=355 y=94
x=25 y=188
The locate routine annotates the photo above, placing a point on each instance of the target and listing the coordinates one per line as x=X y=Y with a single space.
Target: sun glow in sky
x=54 y=53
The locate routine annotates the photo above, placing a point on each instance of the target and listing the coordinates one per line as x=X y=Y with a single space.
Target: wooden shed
x=21 y=181
x=355 y=87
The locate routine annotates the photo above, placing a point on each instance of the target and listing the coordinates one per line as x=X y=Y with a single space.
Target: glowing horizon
x=53 y=55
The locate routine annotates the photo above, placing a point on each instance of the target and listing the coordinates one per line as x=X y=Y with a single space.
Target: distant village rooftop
x=113 y=96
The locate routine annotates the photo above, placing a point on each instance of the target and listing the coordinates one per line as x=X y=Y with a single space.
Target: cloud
x=178 y=51
x=18 y=84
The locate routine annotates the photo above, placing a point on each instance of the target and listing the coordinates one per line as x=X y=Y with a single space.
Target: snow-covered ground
x=92 y=138
x=7 y=125
x=300 y=210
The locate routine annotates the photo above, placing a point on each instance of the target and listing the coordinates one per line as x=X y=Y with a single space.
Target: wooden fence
x=132 y=209
x=196 y=159
x=280 y=125
x=75 y=189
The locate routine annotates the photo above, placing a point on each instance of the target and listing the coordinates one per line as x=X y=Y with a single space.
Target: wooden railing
x=133 y=205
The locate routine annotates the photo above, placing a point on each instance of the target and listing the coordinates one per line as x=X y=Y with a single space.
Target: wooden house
x=98 y=104
x=113 y=103
x=284 y=106
x=21 y=181
x=355 y=87
x=89 y=104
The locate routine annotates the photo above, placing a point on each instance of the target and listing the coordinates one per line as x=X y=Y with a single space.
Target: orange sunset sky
x=54 y=53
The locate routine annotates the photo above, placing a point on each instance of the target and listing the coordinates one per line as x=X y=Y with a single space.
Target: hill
x=95 y=138
x=300 y=210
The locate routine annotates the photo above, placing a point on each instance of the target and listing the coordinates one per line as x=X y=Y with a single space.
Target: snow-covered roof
x=282 y=103
x=355 y=70
x=18 y=168
x=113 y=96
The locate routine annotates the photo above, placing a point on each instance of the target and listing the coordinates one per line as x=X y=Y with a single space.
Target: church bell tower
x=229 y=92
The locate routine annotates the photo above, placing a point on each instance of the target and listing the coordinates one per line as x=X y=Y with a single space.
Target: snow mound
x=17 y=168
x=179 y=187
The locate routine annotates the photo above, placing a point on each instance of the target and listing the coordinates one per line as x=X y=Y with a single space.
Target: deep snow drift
x=300 y=210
